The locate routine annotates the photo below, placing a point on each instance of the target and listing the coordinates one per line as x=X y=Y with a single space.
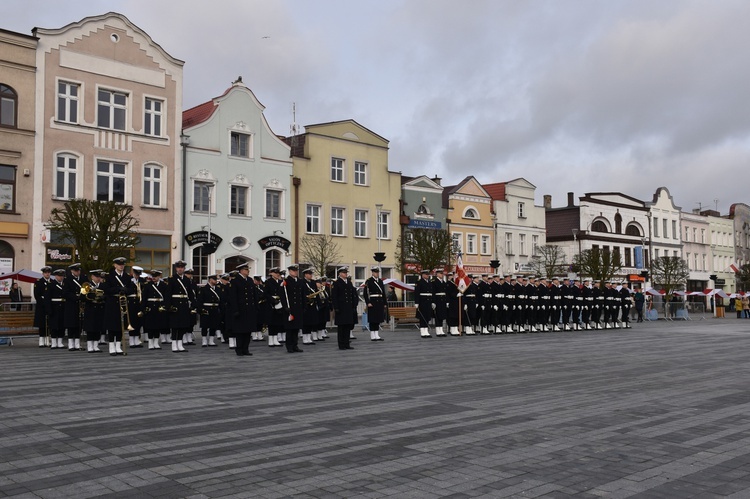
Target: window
x=616 y=255
x=471 y=243
x=67 y=101
x=508 y=243
x=153 y=117
x=628 y=260
x=66 y=174
x=687 y=234
x=337 y=221
x=7 y=188
x=360 y=173
x=632 y=230
x=238 y=200
x=656 y=227
x=522 y=244
x=695 y=261
x=703 y=262
x=239 y=145
x=154 y=252
x=664 y=233
x=337 y=170
x=200 y=264
x=313 y=219
x=703 y=236
x=273 y=259
x=687 y=260
x=484 y=244
x=110 y=181
x=656 y=253
x=521 y=209
x=535 y=245
x=674 y=229
x=273 y=204
x=384 y=225
x=8 y=106
x=202 y=196
x=152 y=185
x=112 y=108
x=470 y=213
x=360 y=223
x=618 y=223
x=599 y=226
x=458 y=241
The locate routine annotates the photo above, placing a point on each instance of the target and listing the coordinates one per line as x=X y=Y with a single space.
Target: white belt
x=155 y=299
x=439 y=294
x=425 y=294
x=472 y=296
x=210 y=304
x=179 y=296
x=57 y=299
x=373 y=296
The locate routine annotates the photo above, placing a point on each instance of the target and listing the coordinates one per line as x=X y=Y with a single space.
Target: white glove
x=482 y=307
x=554 y=307
x=543 y=307
x=434 y=306
x=466 y=307
x=505 y=307
x=447 y=305
x=459 y=295
x=495 y=307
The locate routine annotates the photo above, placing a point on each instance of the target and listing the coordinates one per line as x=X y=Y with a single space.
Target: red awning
x=22 y=275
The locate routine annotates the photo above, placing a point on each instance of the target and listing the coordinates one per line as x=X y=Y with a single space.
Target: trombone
x=124 y=322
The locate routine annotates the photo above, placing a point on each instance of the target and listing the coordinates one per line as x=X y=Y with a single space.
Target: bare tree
x=549 y=260
x=430 y=248
x=743 y=277
x=100 y=230
x=597 y=264
x=670 y=273
x=320 y=252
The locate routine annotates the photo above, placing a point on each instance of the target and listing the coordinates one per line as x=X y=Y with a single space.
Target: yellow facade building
x=342 y=188
x=471 y=223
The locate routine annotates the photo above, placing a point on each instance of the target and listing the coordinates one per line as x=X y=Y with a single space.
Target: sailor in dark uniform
x=56 y=308
x=222 y=288
x=471 y=306
x=73 y=306
x=181 y=306
x=242 y=308
x=40 y=312
x=555 y=302
x=588 y=300
x=261 y=312
x=135 y=307
x=324 y=308
x=209 y=303
x=375 y=300
x=93 y=315
x=275 y=318
x=542 y=314
x=532 y=301
x=597 y=306
x=344 y=300
x=485 y=304
x=293 y=301
x=310 y=315
x=155 y=294
x=577 y=301
x=453 y=305
x=626 y=300
x=507 y=299
x=423 y=302
x=117 y=284
x=189 y=337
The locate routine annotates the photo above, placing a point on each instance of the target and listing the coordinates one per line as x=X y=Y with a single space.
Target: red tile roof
x=496 y=191
x=198 y=114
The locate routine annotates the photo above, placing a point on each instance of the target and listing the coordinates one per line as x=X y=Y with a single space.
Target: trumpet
x=86 y=290
x=311 y=296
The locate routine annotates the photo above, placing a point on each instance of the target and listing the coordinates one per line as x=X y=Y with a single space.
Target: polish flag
x=461 y=280
x=734 y=268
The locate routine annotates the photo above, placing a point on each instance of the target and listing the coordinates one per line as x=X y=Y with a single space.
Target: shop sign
x=274 y=242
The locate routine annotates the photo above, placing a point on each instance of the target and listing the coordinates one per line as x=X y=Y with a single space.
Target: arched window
x=423 y=210
x=471 y=213
x=8 y=106
x=6 y=250
x=633 y=230
x=618 y=223
x=599 y=226
x=273 y=259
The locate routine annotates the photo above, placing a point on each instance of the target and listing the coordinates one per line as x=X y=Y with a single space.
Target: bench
x=17 y=322
x=405 y=315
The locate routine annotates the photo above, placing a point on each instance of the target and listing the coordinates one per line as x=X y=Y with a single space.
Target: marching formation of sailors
x=501 y=304
x=116 y=307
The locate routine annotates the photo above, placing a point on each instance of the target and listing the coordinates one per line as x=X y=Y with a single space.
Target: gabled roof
x=452 y=189
x=316 y=125
x=421 y=181
x=198 y=114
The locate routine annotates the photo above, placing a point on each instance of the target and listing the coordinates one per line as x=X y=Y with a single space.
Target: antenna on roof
x=716 y=204
x=294 y=128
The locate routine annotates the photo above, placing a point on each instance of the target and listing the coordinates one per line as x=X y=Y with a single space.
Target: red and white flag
x=461 y=279
x=734 y=268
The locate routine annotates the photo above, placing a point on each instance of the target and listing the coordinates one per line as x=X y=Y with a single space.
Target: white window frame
x=77 y=171
x=153 y=117
x=522 y=245
x=474 y=210
x=458 y=239
x=471 y=243
x=248 y=137
x=384 y=215
x=161 y=181
x=338 y=169
x=111 y=175
x=209 y=193
x=235 y=186
x=113 y=108
x=360 y=224
x=338 y=221
x=534 y=245
x=484 y=244
x=68 y=99
x=509 y=243
x=360 y=173
x=282 y=214
x=674 y=229
x=656 y=227
x=521 y=209
x=314 y=217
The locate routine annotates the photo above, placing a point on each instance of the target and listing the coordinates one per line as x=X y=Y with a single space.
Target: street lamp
x=650 y=250
x=575 y=234
x=379 y=256
x=184 y=142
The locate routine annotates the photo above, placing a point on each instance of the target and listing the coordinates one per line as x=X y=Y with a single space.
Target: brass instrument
x=86 y=290
x=124 y=322
x=311 y=297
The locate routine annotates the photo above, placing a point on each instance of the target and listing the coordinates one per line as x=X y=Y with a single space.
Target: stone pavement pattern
x=662 y=410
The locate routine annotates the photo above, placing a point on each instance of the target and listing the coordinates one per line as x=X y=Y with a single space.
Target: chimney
x=437 y=179
x=571 y=200
x=547 y=201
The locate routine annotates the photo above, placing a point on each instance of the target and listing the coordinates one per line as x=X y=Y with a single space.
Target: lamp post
x=379 y=256
x=184 y=142
x=575 y=237
x=650 y=250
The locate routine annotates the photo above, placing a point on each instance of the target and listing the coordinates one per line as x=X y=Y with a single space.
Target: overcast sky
x=581 y=96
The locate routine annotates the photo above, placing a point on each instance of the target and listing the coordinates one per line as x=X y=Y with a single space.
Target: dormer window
x=471 y=213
